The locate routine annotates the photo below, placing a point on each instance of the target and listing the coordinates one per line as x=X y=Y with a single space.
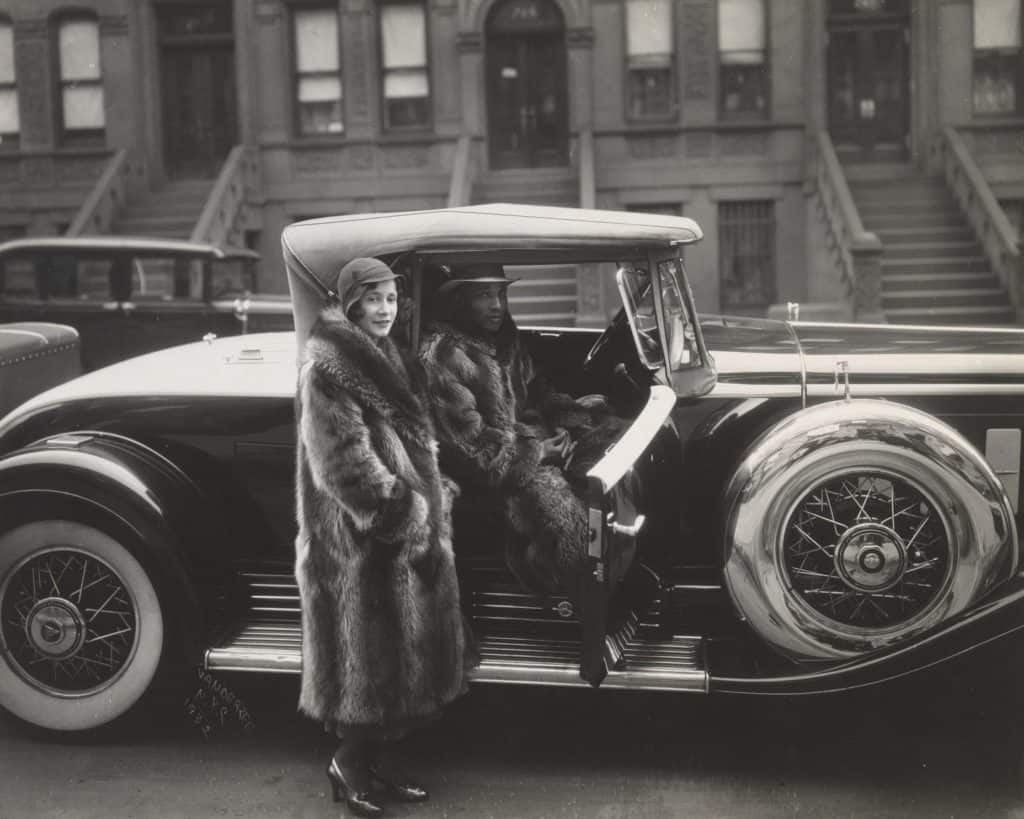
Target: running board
x=673 y=664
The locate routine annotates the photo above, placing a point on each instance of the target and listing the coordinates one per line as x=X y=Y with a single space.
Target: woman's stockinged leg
x=385 y=772
x=349 y=773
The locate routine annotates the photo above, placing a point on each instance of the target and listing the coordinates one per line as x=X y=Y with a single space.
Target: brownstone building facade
x=789 y=129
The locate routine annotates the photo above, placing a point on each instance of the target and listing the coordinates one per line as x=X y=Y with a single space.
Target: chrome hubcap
x=68 y=622
x=870 y=557
x=55 y=628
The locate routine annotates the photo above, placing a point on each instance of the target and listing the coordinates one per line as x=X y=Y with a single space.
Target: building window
x=742 y=59
x=318 y=89
x=403 y=33
x=81 y=80
x=747 y=254
x=650 y=88
x=10 y=125
x=998 y=58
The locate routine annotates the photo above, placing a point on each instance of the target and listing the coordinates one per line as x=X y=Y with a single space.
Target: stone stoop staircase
x=544 y=295
x=170 y=212
x=934 y=271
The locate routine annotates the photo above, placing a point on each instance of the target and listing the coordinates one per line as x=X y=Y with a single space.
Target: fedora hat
x=480 y=273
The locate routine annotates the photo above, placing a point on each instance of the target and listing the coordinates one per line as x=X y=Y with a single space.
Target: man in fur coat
x=503 y=435
x=383 y=641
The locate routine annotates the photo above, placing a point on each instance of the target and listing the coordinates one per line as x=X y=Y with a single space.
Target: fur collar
x=375 y=373
x=502 y=347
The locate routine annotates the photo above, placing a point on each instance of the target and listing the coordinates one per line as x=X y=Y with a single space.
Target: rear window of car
x=230 y=278
x=48 y=275
x=166 y=278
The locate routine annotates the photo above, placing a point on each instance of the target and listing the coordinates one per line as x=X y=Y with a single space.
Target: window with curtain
x=81 y=79
x=742 y=59
x=649 y=66
x=405 y=75
x=10 y=125
x=998 y=57
x=318 y=88
x=746 y=250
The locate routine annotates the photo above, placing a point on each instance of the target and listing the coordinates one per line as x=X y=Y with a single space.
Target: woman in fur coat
x=502 y=433
x=383 y=639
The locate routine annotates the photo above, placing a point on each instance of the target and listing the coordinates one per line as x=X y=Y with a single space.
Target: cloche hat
x=357 y=273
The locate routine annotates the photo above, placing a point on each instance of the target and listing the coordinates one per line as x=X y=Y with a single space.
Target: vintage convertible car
x=793 y=507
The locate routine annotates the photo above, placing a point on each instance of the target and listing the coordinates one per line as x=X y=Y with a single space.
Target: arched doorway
x=527 y=102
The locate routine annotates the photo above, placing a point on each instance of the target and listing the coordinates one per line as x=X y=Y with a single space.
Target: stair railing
x=859 y=250
x=461 y=183
x=121 y=175
x=587 y=169
x=986 y=216
x=222 y=219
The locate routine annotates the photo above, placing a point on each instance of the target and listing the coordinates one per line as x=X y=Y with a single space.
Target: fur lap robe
x=490 y=428
x=383 y=640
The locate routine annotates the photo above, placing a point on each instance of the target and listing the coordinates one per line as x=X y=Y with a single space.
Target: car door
x=621 y=487
x=633 y=511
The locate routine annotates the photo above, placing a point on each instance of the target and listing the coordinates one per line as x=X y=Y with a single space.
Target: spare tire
x=855 y=525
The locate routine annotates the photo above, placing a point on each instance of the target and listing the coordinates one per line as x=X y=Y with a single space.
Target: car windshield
x=637 y=293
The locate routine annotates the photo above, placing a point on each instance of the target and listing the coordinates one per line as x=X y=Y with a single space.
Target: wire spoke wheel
x=69 y=622
x=81 y=625
x=866 y=549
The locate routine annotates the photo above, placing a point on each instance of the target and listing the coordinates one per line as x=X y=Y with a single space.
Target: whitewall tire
x=81 y=628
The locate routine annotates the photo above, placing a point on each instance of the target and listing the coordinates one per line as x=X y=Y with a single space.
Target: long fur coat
x=490 y=433
x=383 y=639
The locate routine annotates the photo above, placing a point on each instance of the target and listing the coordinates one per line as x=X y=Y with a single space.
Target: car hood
x=902 y=357
x=259 y=364
x=764 y=357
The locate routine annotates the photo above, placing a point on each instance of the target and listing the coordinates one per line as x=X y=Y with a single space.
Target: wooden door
x=869 y=90
x=527 y=99
x=197 y=68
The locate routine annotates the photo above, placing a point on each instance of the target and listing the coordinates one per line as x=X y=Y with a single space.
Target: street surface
x=926 y=750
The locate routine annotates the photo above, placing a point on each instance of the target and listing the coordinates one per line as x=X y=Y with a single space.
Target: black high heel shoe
x=397 y=784
x=360 y=802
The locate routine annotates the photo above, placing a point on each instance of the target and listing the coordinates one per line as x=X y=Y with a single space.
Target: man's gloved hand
x=556 y=448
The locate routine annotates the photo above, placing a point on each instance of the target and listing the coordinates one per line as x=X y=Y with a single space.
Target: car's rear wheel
x=82 y=630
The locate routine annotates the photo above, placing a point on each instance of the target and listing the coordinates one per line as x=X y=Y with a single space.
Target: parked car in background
x=35 y=356
x=130 y=295
x=792 y=508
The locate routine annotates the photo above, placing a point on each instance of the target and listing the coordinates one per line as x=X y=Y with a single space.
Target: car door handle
x=111 y=306
x=632 y=530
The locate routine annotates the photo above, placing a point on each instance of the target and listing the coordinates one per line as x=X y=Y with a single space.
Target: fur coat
x=383 y=639
x=491 y=428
